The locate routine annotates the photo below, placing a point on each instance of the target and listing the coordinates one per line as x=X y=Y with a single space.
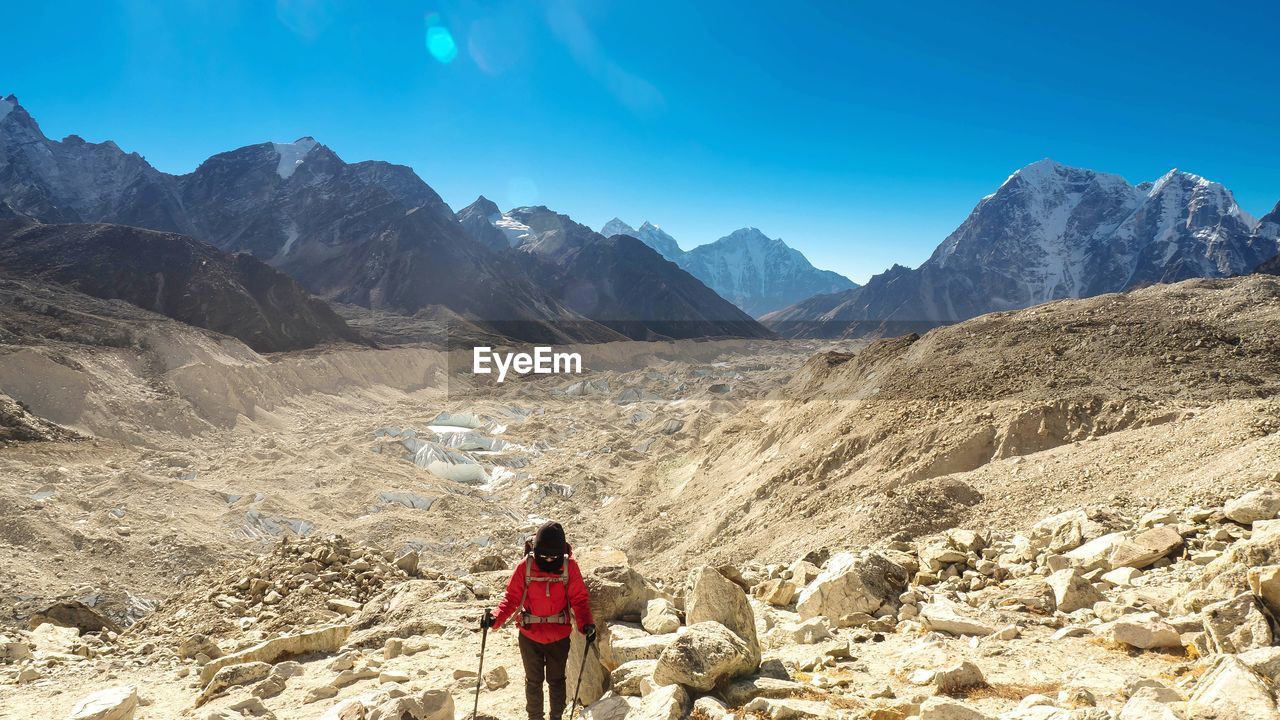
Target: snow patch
x=514 y=230
x=291 y=155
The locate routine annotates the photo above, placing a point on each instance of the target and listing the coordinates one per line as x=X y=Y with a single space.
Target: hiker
x=544 y=586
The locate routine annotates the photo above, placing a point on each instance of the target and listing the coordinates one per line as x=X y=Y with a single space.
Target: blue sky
x=860 y=133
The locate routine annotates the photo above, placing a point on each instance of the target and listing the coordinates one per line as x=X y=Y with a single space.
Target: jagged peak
x=616 y=226
x=8 y=105
x=1181 y=180
x=482 y=205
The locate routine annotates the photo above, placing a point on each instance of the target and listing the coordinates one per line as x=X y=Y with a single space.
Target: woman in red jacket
x=543 y=588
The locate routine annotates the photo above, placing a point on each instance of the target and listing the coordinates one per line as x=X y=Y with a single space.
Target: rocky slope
x=1049 y=232
x=175 y=276
x=757 y=273
x=1084 y=615
x=619 y=282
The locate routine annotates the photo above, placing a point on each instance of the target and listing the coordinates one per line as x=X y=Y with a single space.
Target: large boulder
x=852 y=584
x=117 y=703
x=714 y=598
x=1146 y=548
x=645 y=647
x=707 y=654
x=1236 y=625
x=660 y=617
x=323 y=640
x=1067 y=530
x=1264 y=583
x=588 y=663
x=1096 y=554
x=669 y=702
x=1072 y=592
x=945 y=616
x=75 y=614
x=1261 y=504
x=231 y=676
x=1145 y=631
x=627 y=678
x=617 y=591
x=611 y=707
x=1231 y=691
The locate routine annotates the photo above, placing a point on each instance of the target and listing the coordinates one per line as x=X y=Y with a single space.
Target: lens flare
x=440 y=42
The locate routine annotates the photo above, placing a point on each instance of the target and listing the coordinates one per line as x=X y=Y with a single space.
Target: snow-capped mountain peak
x=648 y=233
x=292 y=154
x=1052 y=231
x=7 y=105
x=617 y=227
x=758 y=273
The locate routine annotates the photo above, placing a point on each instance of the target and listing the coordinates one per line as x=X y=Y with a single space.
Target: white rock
x=852 y=584
x=669 y=702
x=1261 y=504
x=626 y=678
x=611 y=707
x=714 y=598
x=1072 y=592
x=660 y=617
x=1145 y=631
x=1150 y=703
x=1096 y=552
x=807 y=632
x=1236 y=625
x=117 y=703
x=704 y=656
x=1122 y=577
x=945 y=616
x=1231 y=691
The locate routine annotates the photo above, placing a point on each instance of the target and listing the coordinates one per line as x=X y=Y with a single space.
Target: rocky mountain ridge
x=746 y=267
x=1049 y=232
x=175 y=276
x=617 y=281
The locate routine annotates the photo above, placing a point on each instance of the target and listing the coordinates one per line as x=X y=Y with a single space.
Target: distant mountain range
x=1050 y=232
x=374 y=235
x=753 y=271
x=369 y=233
x=618 y=281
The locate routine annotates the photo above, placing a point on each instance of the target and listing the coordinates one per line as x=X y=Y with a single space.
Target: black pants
x=544 y=662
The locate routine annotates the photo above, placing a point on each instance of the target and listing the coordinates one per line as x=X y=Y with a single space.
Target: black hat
x=549 y=539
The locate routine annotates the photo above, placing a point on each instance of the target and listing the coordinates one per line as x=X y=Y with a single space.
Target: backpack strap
x=528 y=618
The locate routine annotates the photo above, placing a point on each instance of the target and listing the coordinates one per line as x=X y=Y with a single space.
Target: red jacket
x=545 y=599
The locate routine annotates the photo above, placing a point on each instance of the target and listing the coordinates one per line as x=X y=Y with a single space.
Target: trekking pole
x=484 y=636
x=573 y=714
